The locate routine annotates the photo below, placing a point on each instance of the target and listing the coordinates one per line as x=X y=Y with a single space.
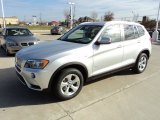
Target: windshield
x=81 y=34
x=18 y=32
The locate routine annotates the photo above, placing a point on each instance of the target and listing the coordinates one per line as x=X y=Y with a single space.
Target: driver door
x=107 y=57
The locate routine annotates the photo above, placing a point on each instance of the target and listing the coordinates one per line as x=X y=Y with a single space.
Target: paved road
x=121 y=96
x=47 y=36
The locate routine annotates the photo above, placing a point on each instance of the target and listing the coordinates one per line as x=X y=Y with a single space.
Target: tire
x=52 y=33
x=68 y=84
x=6 y=51
x=141 y=63
x=0 y=45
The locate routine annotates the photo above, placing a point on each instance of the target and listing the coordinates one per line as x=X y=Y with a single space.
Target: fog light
x=33 y=75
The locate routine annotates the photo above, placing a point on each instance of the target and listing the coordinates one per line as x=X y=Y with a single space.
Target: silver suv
x=87 y=50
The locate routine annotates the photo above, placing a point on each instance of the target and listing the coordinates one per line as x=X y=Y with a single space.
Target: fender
x=77 y=65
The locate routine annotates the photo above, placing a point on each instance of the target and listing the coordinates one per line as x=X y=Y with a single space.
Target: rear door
x=108 y=56
x=130 y=44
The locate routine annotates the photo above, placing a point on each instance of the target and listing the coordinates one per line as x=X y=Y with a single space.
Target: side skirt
x=108 y=73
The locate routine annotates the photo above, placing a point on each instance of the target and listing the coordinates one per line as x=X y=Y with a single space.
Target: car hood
x=48 y=49
x=18 y=39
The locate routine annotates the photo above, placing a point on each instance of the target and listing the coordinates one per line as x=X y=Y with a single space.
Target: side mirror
x=104 y=40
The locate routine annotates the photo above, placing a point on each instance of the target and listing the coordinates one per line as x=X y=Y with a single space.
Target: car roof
x=93 y=23
x=110 y=22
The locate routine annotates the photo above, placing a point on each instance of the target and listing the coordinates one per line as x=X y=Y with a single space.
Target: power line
x=139 y=16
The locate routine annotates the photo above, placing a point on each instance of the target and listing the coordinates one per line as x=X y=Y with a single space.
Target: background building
x=9 y=21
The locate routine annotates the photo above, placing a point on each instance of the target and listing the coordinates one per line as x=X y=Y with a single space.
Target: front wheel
x=7 y=52
x=141 y=63
x=69 y=83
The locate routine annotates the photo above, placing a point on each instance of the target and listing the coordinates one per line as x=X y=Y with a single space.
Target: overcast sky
x=53 y=9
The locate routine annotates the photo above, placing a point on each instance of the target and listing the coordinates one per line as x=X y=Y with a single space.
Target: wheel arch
x=146 y=51
x=81 y=67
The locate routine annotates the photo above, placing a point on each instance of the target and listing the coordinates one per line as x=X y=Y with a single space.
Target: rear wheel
x=141 y=63
x=68 y=84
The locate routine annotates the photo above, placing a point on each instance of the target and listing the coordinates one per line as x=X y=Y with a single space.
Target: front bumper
x=38 y=82
x=13 y=49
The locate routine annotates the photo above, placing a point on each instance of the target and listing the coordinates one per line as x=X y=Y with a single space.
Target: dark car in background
x=13 y=39
x=57 y=30
x=150 y=32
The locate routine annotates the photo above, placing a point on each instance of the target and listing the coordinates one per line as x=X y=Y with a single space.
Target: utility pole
x=156 y=33
x=157 y=17
x=40 y=18
x=4 y=23
x=71 y=13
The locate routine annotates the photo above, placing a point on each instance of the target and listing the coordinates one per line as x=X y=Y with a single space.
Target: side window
x=129 y=32
x=113 y=32
x=85 y=32
x=141 y=31
x=136 y=32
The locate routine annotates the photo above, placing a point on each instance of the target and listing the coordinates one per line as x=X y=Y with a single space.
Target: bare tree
x=148 y=23
x=66 y=14
x=67 y=17
x=109 y=16
x=94 y=15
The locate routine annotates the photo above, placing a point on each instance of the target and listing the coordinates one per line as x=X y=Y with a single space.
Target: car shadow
x=45 y=34
x=156 y=43
x=50 y=34
x=13 y=93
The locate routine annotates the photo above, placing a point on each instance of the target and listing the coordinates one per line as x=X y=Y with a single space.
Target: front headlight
x=37 y=41
x=10 y=43
x=36 y=64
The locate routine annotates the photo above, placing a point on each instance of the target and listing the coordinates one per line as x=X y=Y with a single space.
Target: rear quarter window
x=129 y=32
x=140 y=31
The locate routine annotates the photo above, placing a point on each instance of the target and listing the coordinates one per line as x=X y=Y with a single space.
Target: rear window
x=141 y=31
x=55 y=27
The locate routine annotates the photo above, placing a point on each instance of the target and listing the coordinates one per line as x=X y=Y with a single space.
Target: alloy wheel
x=70 y=84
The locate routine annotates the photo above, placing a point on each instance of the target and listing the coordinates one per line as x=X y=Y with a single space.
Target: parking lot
x=120 y=96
